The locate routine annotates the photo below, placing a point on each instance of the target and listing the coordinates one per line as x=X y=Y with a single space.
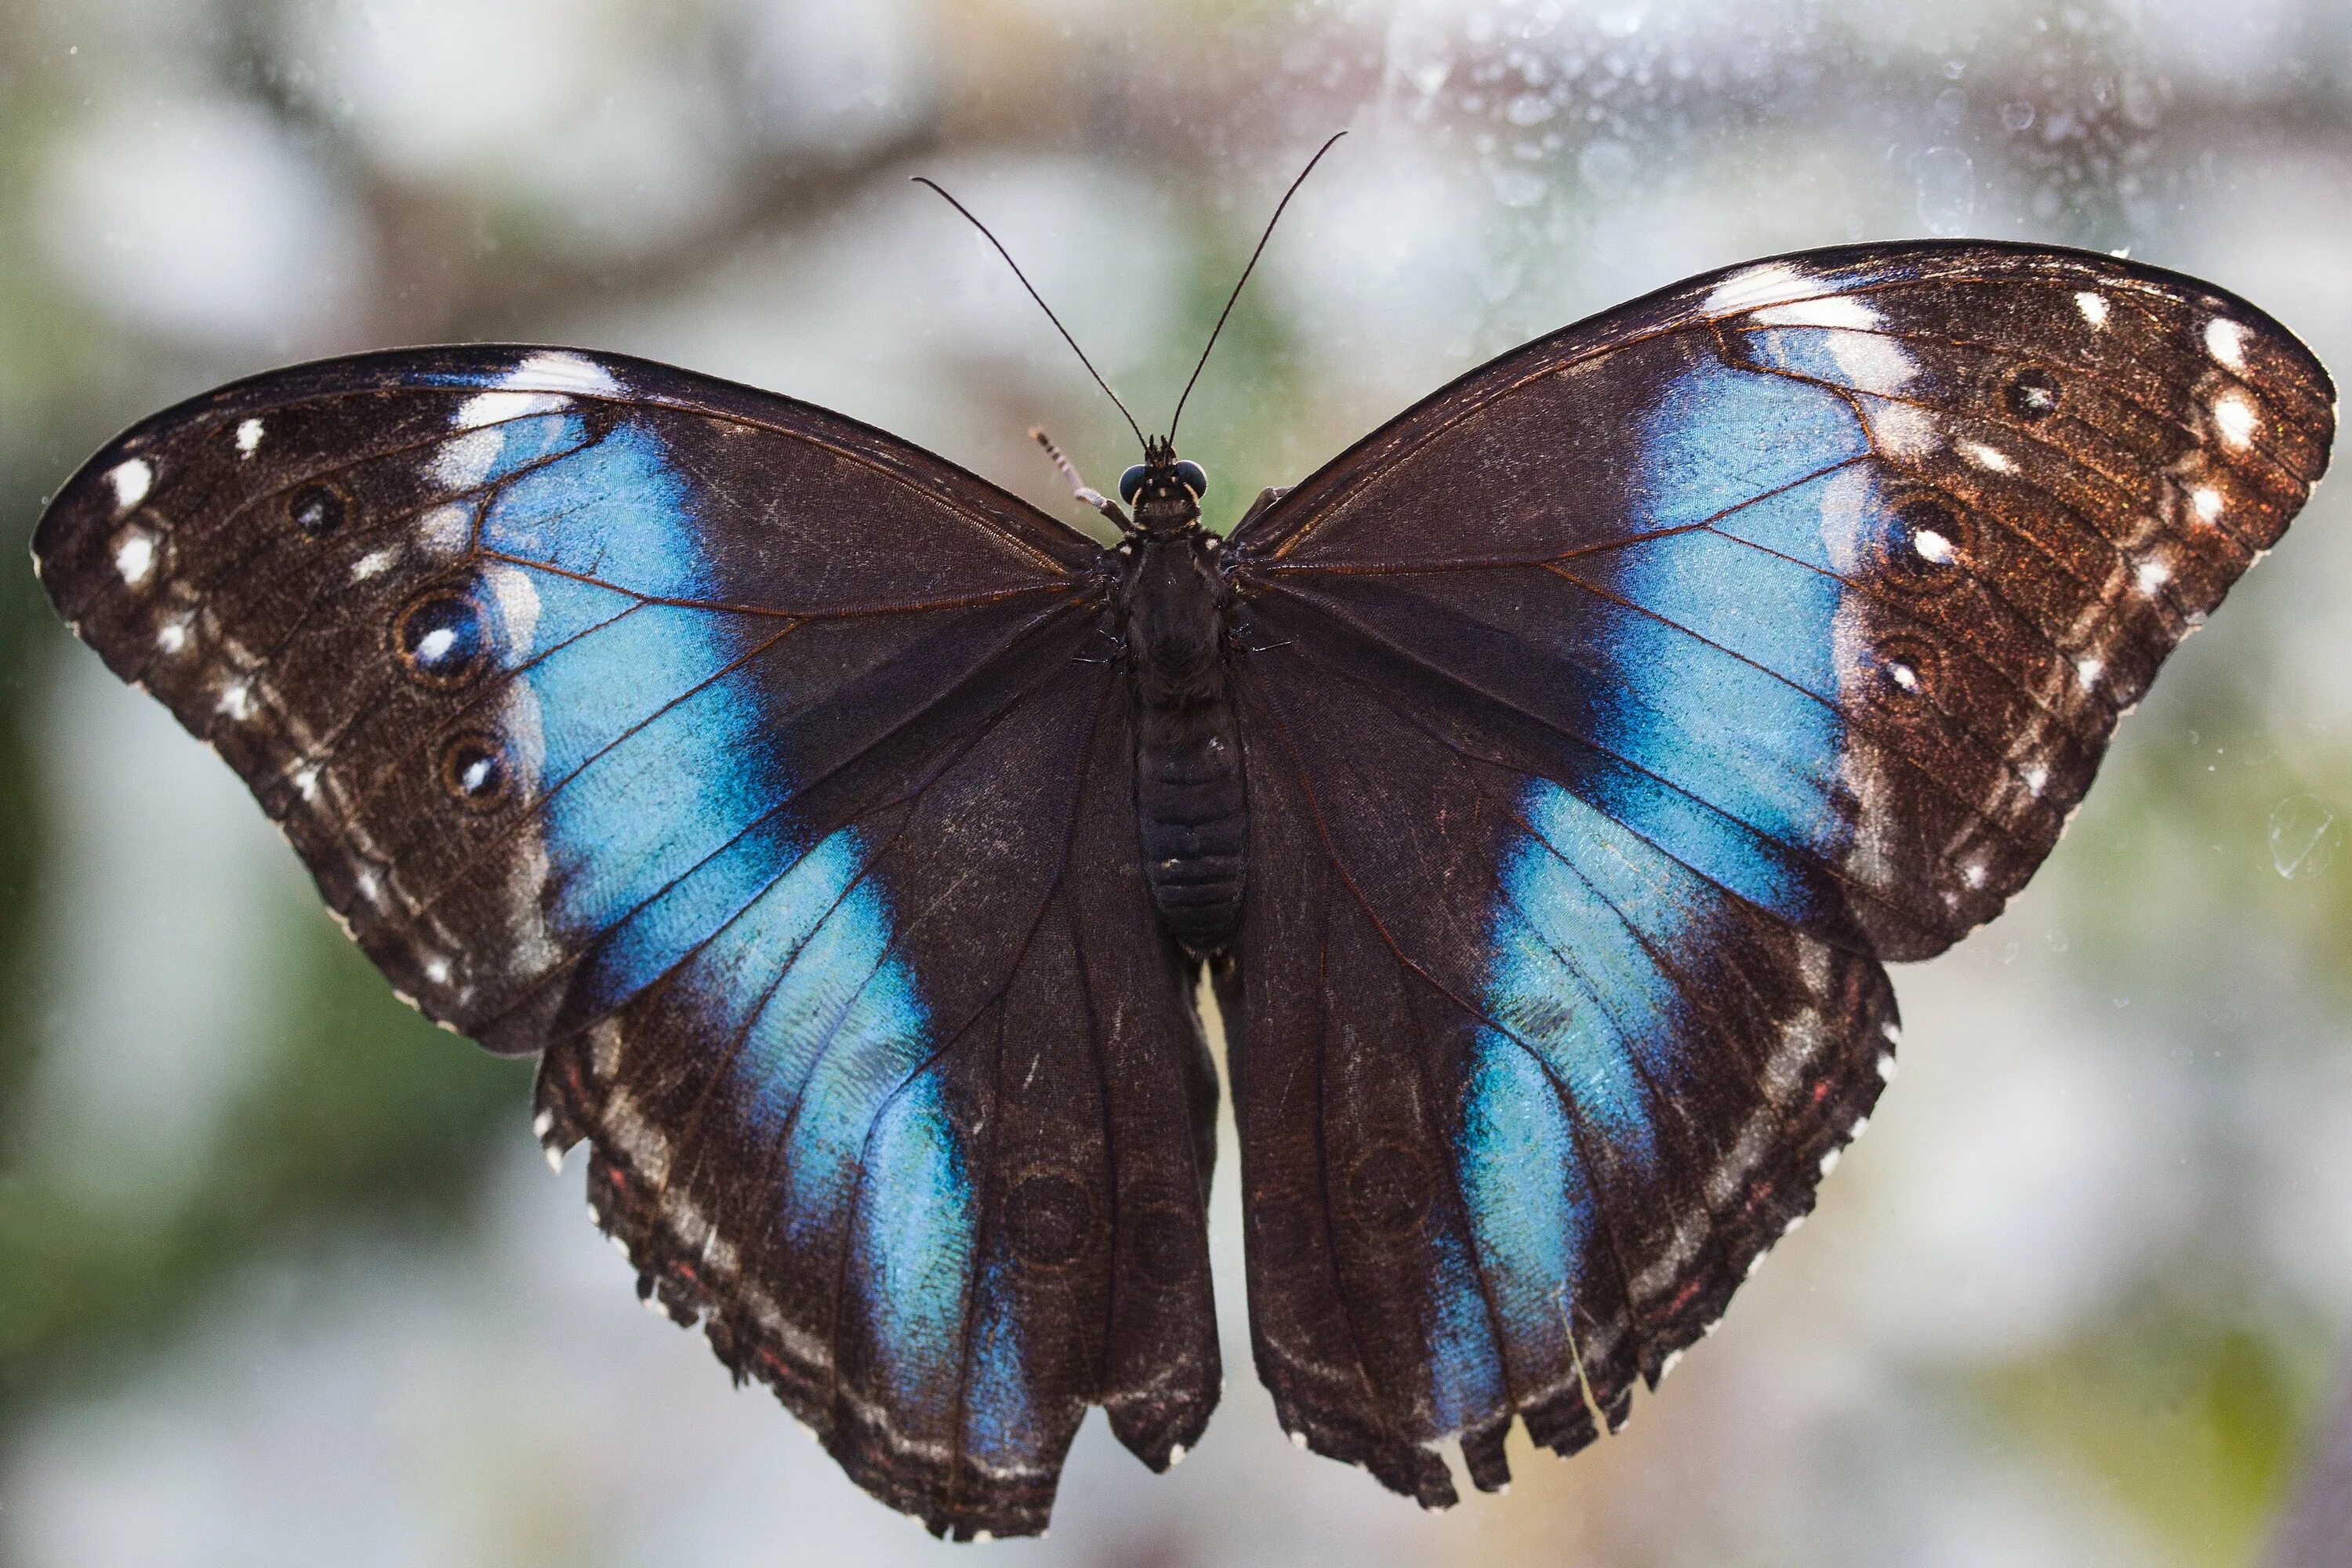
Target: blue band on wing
x=643 y=718
x=1727 y=774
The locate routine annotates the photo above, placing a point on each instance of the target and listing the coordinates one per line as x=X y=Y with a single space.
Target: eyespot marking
x=317 y=510
x=442 y=638
x=2031 y=393
x=473 y=770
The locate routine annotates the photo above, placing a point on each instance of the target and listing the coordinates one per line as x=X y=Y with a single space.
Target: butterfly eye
x=1195 y=477
x=1129 y=483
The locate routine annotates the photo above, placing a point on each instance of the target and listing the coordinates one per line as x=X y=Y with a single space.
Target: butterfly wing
x=765 y=775
x=1619 y=709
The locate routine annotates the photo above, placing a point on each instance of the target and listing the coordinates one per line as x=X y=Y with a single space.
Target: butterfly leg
x=1087 y=494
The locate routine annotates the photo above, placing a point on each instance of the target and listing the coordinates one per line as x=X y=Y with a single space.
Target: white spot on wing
x=306 y=782
x=368 y=565
x=2152 y=575
x=2234 y=417
x=2093 y=306
x=436 y=970
x=248 y=436
x=2088 y=669
x=1932 y=546
x=2207 y=501
x=1974 y=875
x=465 y=462
x=1774 y=283
x=1985 y=456
x=493 y=407
x=135 y=557
x=517 y=598
x=1904 y=429
x=1870 y=359
x=2225 y=340
x=1176 y=1452
x=1829 y=311
x=1886 y=1066
x=2035 y=777
x=1903 y=675
x=1828 y=1163
x=131 y=481
x=172 y=636
x=561 y=370
x=435 y=646
x=236 y=700
x=445 y=528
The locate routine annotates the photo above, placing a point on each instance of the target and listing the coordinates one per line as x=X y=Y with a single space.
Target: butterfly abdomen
x=1190 y=815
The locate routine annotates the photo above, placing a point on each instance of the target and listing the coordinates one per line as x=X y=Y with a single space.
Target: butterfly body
x=1550 y=777
x=1191 y=812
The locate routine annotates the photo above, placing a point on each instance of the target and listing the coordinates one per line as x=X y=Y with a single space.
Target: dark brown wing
x=1616 y=711
x=760 y=770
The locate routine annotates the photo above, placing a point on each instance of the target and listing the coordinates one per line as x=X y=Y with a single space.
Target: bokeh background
x=282 y=1277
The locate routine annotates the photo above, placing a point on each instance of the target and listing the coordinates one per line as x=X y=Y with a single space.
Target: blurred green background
x=281 y=1277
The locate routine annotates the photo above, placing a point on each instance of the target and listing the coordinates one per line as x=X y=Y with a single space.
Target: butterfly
x=1542 y=786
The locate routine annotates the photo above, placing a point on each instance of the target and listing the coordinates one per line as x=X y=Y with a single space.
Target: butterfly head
x=1164 y=489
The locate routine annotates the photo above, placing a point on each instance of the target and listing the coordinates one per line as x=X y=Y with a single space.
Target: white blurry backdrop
x=281 y=1277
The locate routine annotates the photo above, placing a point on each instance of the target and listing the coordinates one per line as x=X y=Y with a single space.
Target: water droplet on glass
x=1952 y=107
x=2304 y=836
x=1528 y=108
x=1606 y=165
x=1947 y=183
x=2017 y=116
x=1518 y=187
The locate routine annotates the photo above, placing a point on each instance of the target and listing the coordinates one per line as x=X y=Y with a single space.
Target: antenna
x=1236 y=294
x=926 y=180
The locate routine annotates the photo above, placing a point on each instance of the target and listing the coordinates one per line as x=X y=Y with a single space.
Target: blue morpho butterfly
x=1542 y=784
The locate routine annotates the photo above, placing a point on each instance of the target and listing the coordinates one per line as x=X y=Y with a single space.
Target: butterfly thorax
x=1191 y=814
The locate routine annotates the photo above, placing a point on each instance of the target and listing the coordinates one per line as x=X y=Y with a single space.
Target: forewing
x=760 y=770
x=1618 y=710
x=1910 y=526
